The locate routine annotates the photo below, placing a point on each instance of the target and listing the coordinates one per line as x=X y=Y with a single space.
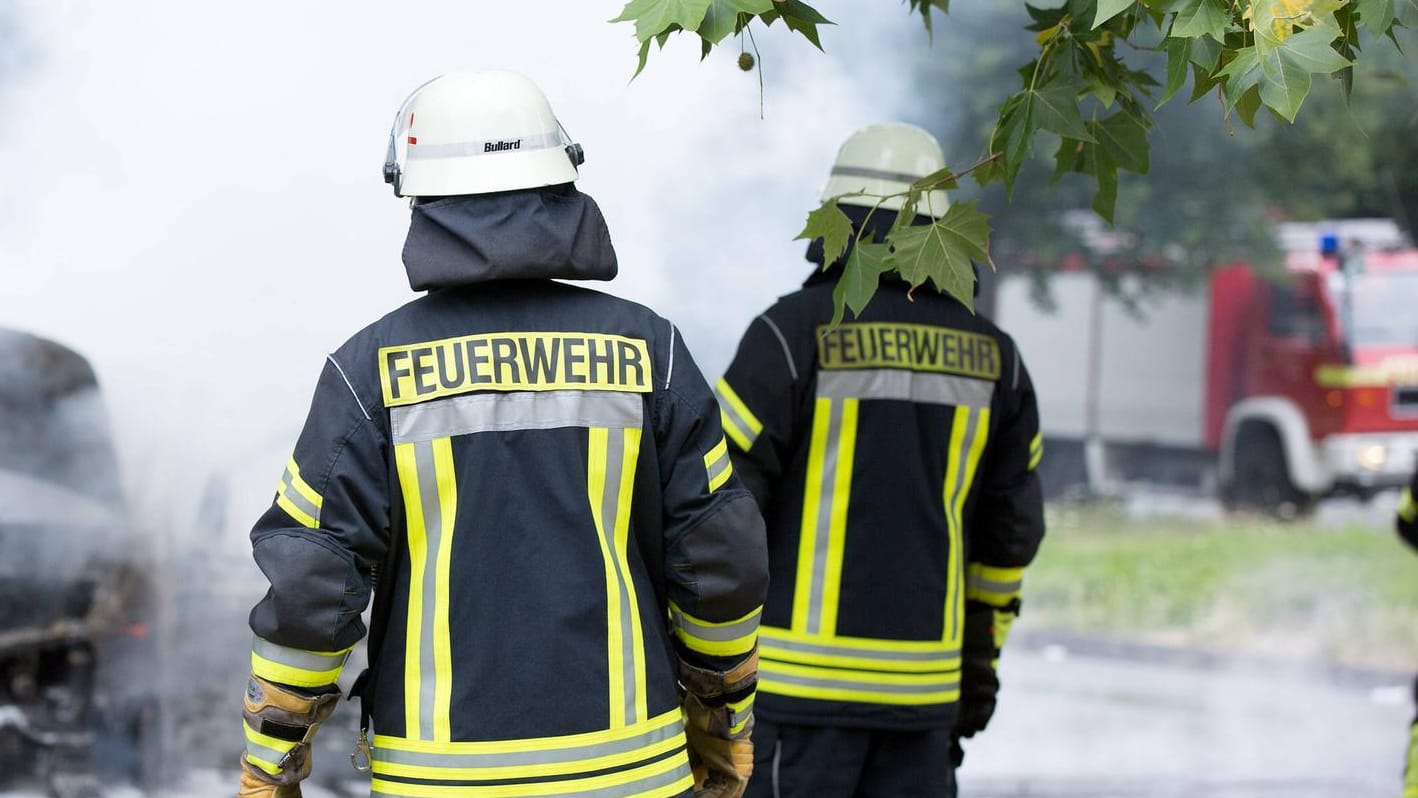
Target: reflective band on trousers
x=518 y=410
x=906 y=386
x=294 y=666
x=646 y=759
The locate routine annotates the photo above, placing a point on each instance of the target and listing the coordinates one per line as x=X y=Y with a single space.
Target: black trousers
x=830 y=762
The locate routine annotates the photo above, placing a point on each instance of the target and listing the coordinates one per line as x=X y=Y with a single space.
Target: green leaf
x=722 y=18
x=925 y=6
x=1013 y=136
x=644 y=56
x=1287 y=69
x=1377 y=15
x=941 y=179
x=1107 y=9
x=860 y=278
x=1247 y=105
x=1202 y=81
x=1178 y=57
x=1205 y=53
x=942 y=252
x=1056 y=110
x=831 y=225
x=652 y=17
x=1201 y=18
x=1124 y=138
x=802 y=18
x=1068 y=158
x=1243 y=72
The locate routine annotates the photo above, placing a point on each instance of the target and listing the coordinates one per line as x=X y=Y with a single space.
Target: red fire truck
x=1274 y=390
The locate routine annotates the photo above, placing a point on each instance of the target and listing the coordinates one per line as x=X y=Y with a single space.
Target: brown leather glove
x=275 y=717
x=718 y=722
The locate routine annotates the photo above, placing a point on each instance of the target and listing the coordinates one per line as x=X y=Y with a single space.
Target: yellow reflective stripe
x=812 y=501
x=528 y=770
x=668 y=777
x=297 y=498
x=442 y=642
x=557 y=743
x=740 y=713
x=281 y=673
x=1036 y=451
x=968 y=433
x=630 y=457
x=407 y=466
x=265 y=751
x=994 y=586
x=1407 y=508
x=716 y=638
x=301 y=485
x=739 y=422
x=845 y=439
x=830 y=684
x=615 y=643
x=859 y=653
x=717 y=465
x=294 y=666
x=1410 y=773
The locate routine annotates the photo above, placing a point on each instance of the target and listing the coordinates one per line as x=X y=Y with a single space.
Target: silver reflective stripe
x=946 y=681
x=528 y=758
x=502 y=412
x=875 y=174
x=466 y=149
x=297 y=658
x=827 y=482
x=433 y=534
x=736 y=718
x=961 y=487
x=908 y=386
x=719 y=466
x=725 y=633
x=610 y=504
x=769 y=642
x=732 y=414
x=977 y=582
x=782 y=339
x=296 y=497
x=639 y=787
x=264 y=753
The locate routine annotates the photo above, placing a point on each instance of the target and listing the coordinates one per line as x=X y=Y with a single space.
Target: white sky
x=193 y=194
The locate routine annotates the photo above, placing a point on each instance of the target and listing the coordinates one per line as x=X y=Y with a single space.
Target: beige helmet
x=476 y=133
x=885 y=159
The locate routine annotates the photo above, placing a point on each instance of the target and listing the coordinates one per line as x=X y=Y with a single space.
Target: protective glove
x=280 y=724
x=985 y=628
x=718 y=721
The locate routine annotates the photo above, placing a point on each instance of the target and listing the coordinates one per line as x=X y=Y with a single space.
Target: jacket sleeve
x=320 y=540
x=715 y=550
x=1007 y=523
x=1408 y=512
x=758 y=397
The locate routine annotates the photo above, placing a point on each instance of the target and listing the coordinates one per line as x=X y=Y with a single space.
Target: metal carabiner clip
x=362 y=757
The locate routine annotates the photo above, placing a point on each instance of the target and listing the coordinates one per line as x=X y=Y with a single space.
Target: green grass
x=1339 y=594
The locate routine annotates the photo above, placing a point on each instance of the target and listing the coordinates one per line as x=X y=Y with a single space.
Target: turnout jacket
x=548 y=465
x=1408 y=512
x=893 y=458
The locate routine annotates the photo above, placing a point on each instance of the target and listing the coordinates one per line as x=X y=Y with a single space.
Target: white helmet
x=476 y=133
x=885 y=159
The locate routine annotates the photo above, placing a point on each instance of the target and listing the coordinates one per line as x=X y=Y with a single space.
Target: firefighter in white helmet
x=893 y=457
x=536 y=474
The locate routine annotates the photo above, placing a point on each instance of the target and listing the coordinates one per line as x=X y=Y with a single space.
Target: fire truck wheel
x=1262 y=476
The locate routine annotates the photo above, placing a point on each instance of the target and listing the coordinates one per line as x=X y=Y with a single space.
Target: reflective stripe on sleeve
x=1036 y=451
x=727 y=639
x=297 y=498
x=1410 y=772
x=1407 y=507
x=646 y=758
x=296 y=667
x=740 y=424
x=740 y=713
x=718 y=466
x=994 y=586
